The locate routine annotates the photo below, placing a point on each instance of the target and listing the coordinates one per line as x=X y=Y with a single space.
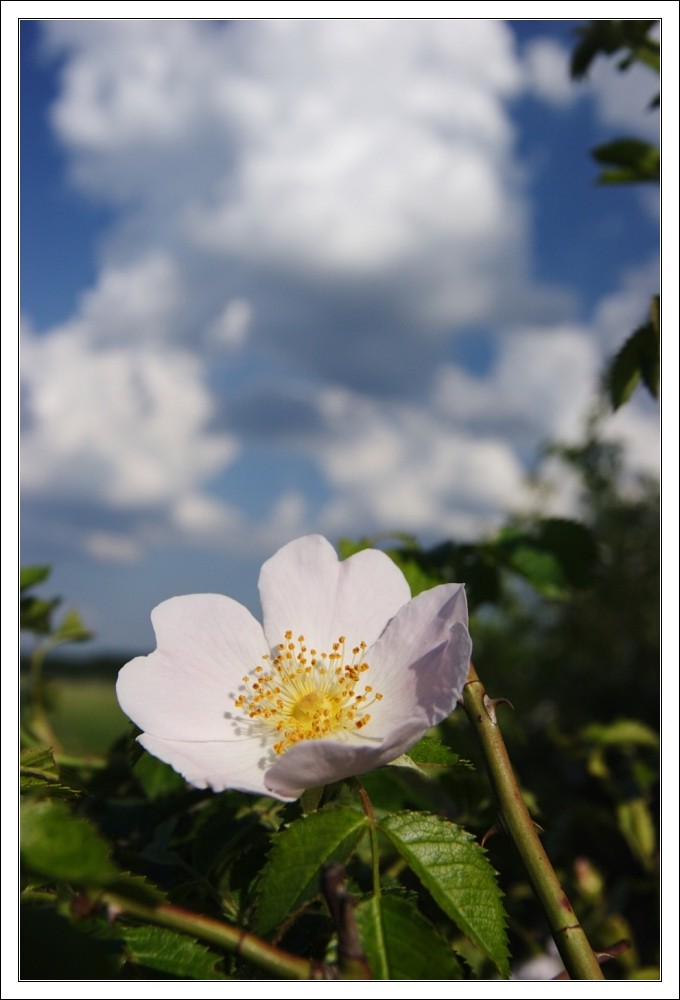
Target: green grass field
x=85 y=714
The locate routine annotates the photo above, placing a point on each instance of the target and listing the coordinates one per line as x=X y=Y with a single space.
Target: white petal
x=185 y=690
x=305 y=588
x=319 y=762
x=217 y=765
x=421 y=662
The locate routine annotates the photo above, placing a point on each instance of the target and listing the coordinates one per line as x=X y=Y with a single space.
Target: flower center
x=303 y=694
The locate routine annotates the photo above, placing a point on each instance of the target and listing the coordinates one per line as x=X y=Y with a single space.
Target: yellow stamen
x=301 y=699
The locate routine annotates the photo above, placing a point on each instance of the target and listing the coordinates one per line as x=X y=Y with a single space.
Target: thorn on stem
x=490 y=706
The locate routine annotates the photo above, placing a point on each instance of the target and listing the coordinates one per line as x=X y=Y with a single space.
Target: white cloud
x=328 y=203
x=622 y=99
x=256 y=144
x=123 y=426
x=397 y=467
x=547 y=71
x=540 y=385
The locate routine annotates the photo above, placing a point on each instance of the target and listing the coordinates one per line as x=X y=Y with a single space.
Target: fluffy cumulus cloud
x=306 y=213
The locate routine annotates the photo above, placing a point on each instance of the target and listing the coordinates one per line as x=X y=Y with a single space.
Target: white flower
x=345 y=675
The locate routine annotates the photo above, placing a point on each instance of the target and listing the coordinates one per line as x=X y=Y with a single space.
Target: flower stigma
x=305 y=695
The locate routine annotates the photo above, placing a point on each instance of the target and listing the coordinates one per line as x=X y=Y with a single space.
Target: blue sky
x=291 y=276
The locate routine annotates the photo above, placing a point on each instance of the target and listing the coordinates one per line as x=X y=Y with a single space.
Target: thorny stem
x=232 y=939
x=579 y=959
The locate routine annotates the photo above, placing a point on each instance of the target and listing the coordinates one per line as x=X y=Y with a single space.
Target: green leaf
x=39 y=773
x=401 y=944
x=291 y=875
x=572 y=544
x=540 y=568
x=31 y=576
x=429 y=751
x=639 y=358
x=36 y=614
x=60 y=845
x=629 y=160
x=456 y=872
x=168 y=951
x=622 y=732
x=637 y=826
x=156 y=778
x=71 y=629
x=606 y=37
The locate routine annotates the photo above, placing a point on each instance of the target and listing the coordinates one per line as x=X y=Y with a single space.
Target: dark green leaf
x=31 y=576
x=456 y=872
x=291 y=875
x=60 y=845
x=54 y=948
x=401 y=944
x=604 y=37
x=628 y=160
x=156 y=778
x=572 y=544
x=168 y=951
x=36 y=614
x=637 y=359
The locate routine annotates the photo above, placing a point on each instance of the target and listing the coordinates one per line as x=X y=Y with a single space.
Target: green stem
x=367 y=806
x=233 y=939
x=579 y=959
x=40 y=724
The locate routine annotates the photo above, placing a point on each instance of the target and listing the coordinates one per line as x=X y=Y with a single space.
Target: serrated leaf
x=400 y=943
x=431 y=752
x=60 y=845
x=40 y=759
x=137 y=888
x=168 y=951
x=39 y=773
x=291 y=875
x=31 y=576
x=457 y=874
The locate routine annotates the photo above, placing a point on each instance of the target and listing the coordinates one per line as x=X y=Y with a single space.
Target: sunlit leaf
x=622 y=732
x=628 y=161
x=31 y=576
x=637 y=826
x=291 y=875
x=58 y=844
x=456 y=872
x=39 y=773
x=400 y=943
x=429 y=751
x=71 y=629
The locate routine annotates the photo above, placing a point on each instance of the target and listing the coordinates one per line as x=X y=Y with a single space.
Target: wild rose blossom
x=345 y=674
